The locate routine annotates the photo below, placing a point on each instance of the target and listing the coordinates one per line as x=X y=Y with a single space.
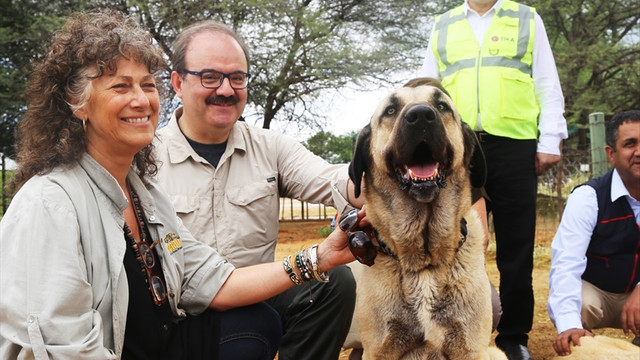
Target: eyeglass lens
x=157 y=285
x=214 y=79
x=147 y=255
x=348 y=220
x=159 y=292
x=360 y=244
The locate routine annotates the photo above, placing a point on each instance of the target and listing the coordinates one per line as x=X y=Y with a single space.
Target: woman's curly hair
x=88 y=46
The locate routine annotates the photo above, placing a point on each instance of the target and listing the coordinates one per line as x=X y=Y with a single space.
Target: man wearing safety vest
x=494 y=59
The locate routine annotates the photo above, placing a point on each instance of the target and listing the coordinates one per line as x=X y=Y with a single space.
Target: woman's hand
x=334 y=250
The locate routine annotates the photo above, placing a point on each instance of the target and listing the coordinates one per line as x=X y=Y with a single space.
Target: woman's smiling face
x=122 y=111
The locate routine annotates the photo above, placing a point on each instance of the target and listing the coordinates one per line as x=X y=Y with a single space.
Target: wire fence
x=555 y=186
x=294 y=210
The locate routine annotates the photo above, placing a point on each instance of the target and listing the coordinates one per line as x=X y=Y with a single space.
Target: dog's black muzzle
x=421 y=123
x=420 y=115
x=419 y=154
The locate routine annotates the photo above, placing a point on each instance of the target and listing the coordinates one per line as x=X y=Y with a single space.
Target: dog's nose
x=419 y=114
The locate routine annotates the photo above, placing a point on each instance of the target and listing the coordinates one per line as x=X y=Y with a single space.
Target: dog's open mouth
x=421 y=172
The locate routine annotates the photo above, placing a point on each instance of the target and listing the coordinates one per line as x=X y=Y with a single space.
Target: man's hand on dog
x=630 y=316
x=562 y=344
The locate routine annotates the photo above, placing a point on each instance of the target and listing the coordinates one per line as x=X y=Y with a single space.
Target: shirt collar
x=105 y=181
x=494 y=8
x=180 y=150
x=177 y=145
x=618 y=189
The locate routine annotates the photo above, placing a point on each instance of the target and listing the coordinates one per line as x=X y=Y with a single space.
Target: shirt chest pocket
x=195 y=213
x=184 y=204
x=257 y=195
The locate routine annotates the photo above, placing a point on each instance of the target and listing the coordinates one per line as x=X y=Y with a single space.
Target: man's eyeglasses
x=212 y=79
x=360 y=243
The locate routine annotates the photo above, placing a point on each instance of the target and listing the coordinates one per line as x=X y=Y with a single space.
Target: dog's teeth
x=414 y=177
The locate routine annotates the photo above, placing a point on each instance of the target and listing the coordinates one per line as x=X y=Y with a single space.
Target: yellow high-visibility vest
x=495 y=79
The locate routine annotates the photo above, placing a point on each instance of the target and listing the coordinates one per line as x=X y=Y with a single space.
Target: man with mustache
x=225 y=179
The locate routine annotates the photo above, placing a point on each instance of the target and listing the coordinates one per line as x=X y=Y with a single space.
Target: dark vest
x=613 y=256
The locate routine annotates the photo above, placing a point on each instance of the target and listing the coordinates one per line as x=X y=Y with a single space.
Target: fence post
x=599 y=161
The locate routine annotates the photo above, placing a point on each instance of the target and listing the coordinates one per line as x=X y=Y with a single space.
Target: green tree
x=26 y=27
x=596 y=44
x=299 y=47
x=303 y=47
x=19 y=32
x=336 y=149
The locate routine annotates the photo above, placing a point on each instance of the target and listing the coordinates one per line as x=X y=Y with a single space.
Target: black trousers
x=316 y=316
x=512 y=190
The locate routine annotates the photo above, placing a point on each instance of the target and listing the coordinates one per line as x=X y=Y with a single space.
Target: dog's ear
x=473 y=152
x=361 y=158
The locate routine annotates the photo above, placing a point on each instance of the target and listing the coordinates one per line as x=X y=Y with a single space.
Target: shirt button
x=152 y=218
x=224 y=252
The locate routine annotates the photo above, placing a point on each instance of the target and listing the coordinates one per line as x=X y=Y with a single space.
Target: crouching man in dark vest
x=595 y=266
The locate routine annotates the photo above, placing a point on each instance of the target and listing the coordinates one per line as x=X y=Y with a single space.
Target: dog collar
x=463 y=233
x=384 y=248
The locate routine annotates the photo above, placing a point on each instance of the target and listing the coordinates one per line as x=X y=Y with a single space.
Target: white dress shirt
x=552 y=124
x=569 y=248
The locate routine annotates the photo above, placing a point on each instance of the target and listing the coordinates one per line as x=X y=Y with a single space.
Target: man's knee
x=343 y=281
x=338 y=296
x=591 y=313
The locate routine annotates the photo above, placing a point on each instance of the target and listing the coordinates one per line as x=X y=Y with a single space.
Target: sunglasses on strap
x=360 y=243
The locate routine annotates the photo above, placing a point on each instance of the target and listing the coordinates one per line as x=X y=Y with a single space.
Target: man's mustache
x=219 y=100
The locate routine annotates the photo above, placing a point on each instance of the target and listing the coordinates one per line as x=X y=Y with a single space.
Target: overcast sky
x=346 y=110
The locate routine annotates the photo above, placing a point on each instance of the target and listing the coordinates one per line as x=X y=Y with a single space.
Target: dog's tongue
x=423 y=171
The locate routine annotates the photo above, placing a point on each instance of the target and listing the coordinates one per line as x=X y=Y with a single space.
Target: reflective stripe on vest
x=500 y=71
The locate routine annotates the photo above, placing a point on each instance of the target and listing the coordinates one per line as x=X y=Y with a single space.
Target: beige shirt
x=235 y=207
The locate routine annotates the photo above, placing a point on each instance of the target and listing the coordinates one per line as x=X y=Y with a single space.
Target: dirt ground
x=295 y=235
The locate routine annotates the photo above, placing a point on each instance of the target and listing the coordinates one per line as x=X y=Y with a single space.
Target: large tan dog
x=427 y=296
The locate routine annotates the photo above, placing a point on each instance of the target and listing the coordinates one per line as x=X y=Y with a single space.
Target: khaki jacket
x=64 y=291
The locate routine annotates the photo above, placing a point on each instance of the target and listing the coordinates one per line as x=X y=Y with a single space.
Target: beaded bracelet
x=301 y=261
x=286 y=263
x=307 y=263
x=313 y=255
